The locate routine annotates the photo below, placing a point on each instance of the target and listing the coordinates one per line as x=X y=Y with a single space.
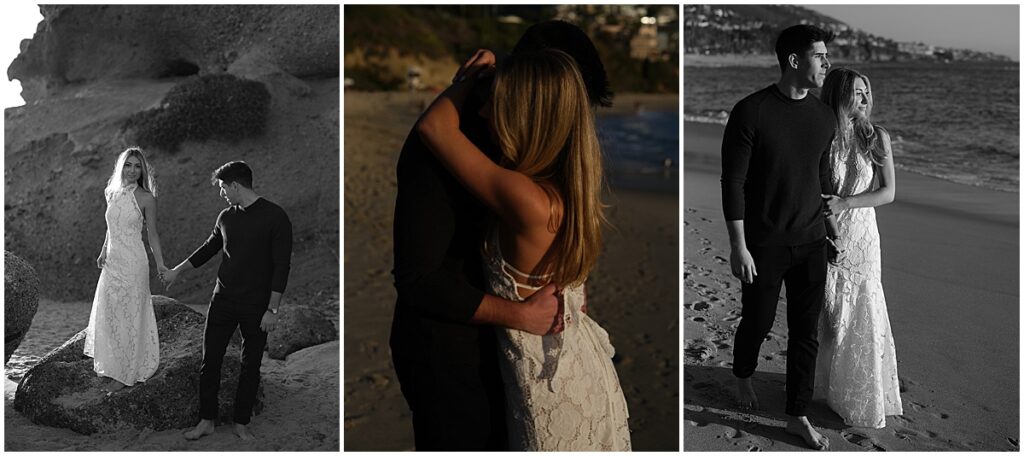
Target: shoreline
x=693 y=122
x=946 y=247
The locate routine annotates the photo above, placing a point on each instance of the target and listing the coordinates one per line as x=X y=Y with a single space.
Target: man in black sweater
x=774 y=171
x=443 y=334
x=255 y=238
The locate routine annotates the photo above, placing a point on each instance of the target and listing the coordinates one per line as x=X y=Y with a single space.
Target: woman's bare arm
x=514 y=197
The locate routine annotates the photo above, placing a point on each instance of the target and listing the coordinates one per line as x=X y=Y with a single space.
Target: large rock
x=84 y=43
x=300 y=326
x=63 y=391
x=21 y=300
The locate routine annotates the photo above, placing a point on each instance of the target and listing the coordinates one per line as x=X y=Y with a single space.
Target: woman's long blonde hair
x=146 y=179
x=860 y=135
x=545 y=129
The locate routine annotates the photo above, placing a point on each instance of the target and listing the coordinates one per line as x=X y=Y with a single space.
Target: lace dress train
x=562 y=390
x=856 y=366
x=122 y=336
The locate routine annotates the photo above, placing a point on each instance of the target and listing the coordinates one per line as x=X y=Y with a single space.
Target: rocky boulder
x=85 y=43
x=21 y=300
x=63 y=391
x=300 y=326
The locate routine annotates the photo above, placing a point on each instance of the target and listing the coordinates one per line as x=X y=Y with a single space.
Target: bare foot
x=798 y=425
x=745 y=397
x=243 y=432
x=204 y=428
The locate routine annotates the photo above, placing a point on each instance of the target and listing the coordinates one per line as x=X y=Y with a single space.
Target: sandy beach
x=950 y=259
x=633 y=291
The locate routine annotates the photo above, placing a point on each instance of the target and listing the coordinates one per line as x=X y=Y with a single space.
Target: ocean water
x=956 y=121
x=641 y=150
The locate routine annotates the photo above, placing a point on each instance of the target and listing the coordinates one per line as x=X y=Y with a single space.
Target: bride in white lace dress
x=122 y=336
x=857 y=356
x=562 y=391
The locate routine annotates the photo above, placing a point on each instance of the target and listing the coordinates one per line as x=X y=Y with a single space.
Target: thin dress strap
x=509 y=268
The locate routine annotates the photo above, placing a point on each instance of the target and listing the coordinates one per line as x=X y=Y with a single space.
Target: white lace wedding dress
x=121 y=336
x=856 y=365
x=562 y=390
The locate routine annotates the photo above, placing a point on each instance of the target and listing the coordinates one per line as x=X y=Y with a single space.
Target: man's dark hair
x=798 y=39
x=236 y=171
x=571 y=40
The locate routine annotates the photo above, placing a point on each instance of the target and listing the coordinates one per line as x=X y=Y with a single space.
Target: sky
x=19 y=21
x=991 y=28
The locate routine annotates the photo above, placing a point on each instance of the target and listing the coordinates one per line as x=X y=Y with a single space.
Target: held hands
x=742 y=264
x=542 y=312
x=168 y=276
x=835 y=250
x=480 y=64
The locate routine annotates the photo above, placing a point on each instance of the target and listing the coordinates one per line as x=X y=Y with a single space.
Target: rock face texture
x=63 y=391
x=82 y=44
x=21 y=300
x=300 y=326
x=89 y=68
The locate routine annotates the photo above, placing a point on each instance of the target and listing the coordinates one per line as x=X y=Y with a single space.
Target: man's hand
x=481 y=61
x=542 y=312
x=835 y=251
x=269 y=321
x=102 y=259
x=169 y=276
x=743 y=265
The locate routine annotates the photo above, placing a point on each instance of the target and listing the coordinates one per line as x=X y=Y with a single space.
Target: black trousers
x=802 y=269
x=451 y=379
x=221 y=322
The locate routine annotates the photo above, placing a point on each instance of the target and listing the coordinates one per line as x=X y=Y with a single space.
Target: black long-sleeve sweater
x=257 y=247
x=775 y=167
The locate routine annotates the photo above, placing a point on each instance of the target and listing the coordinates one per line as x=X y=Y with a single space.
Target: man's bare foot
x=204 y=428
x=242 y=431
x=745 y=397
x=798 y=425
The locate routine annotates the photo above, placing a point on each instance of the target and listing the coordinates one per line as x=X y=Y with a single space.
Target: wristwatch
x=273 y=311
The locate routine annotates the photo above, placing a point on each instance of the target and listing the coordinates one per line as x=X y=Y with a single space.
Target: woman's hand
x=481 y=63
x=836 y=204
x=102 y=259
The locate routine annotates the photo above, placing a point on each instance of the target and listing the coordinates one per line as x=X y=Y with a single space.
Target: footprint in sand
x=698 y=319
x=691 y=210
x=700 y=306
x=721 y=260
x=704 y=251
x=700 y=350
x=862 y=441
x=705 y=241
